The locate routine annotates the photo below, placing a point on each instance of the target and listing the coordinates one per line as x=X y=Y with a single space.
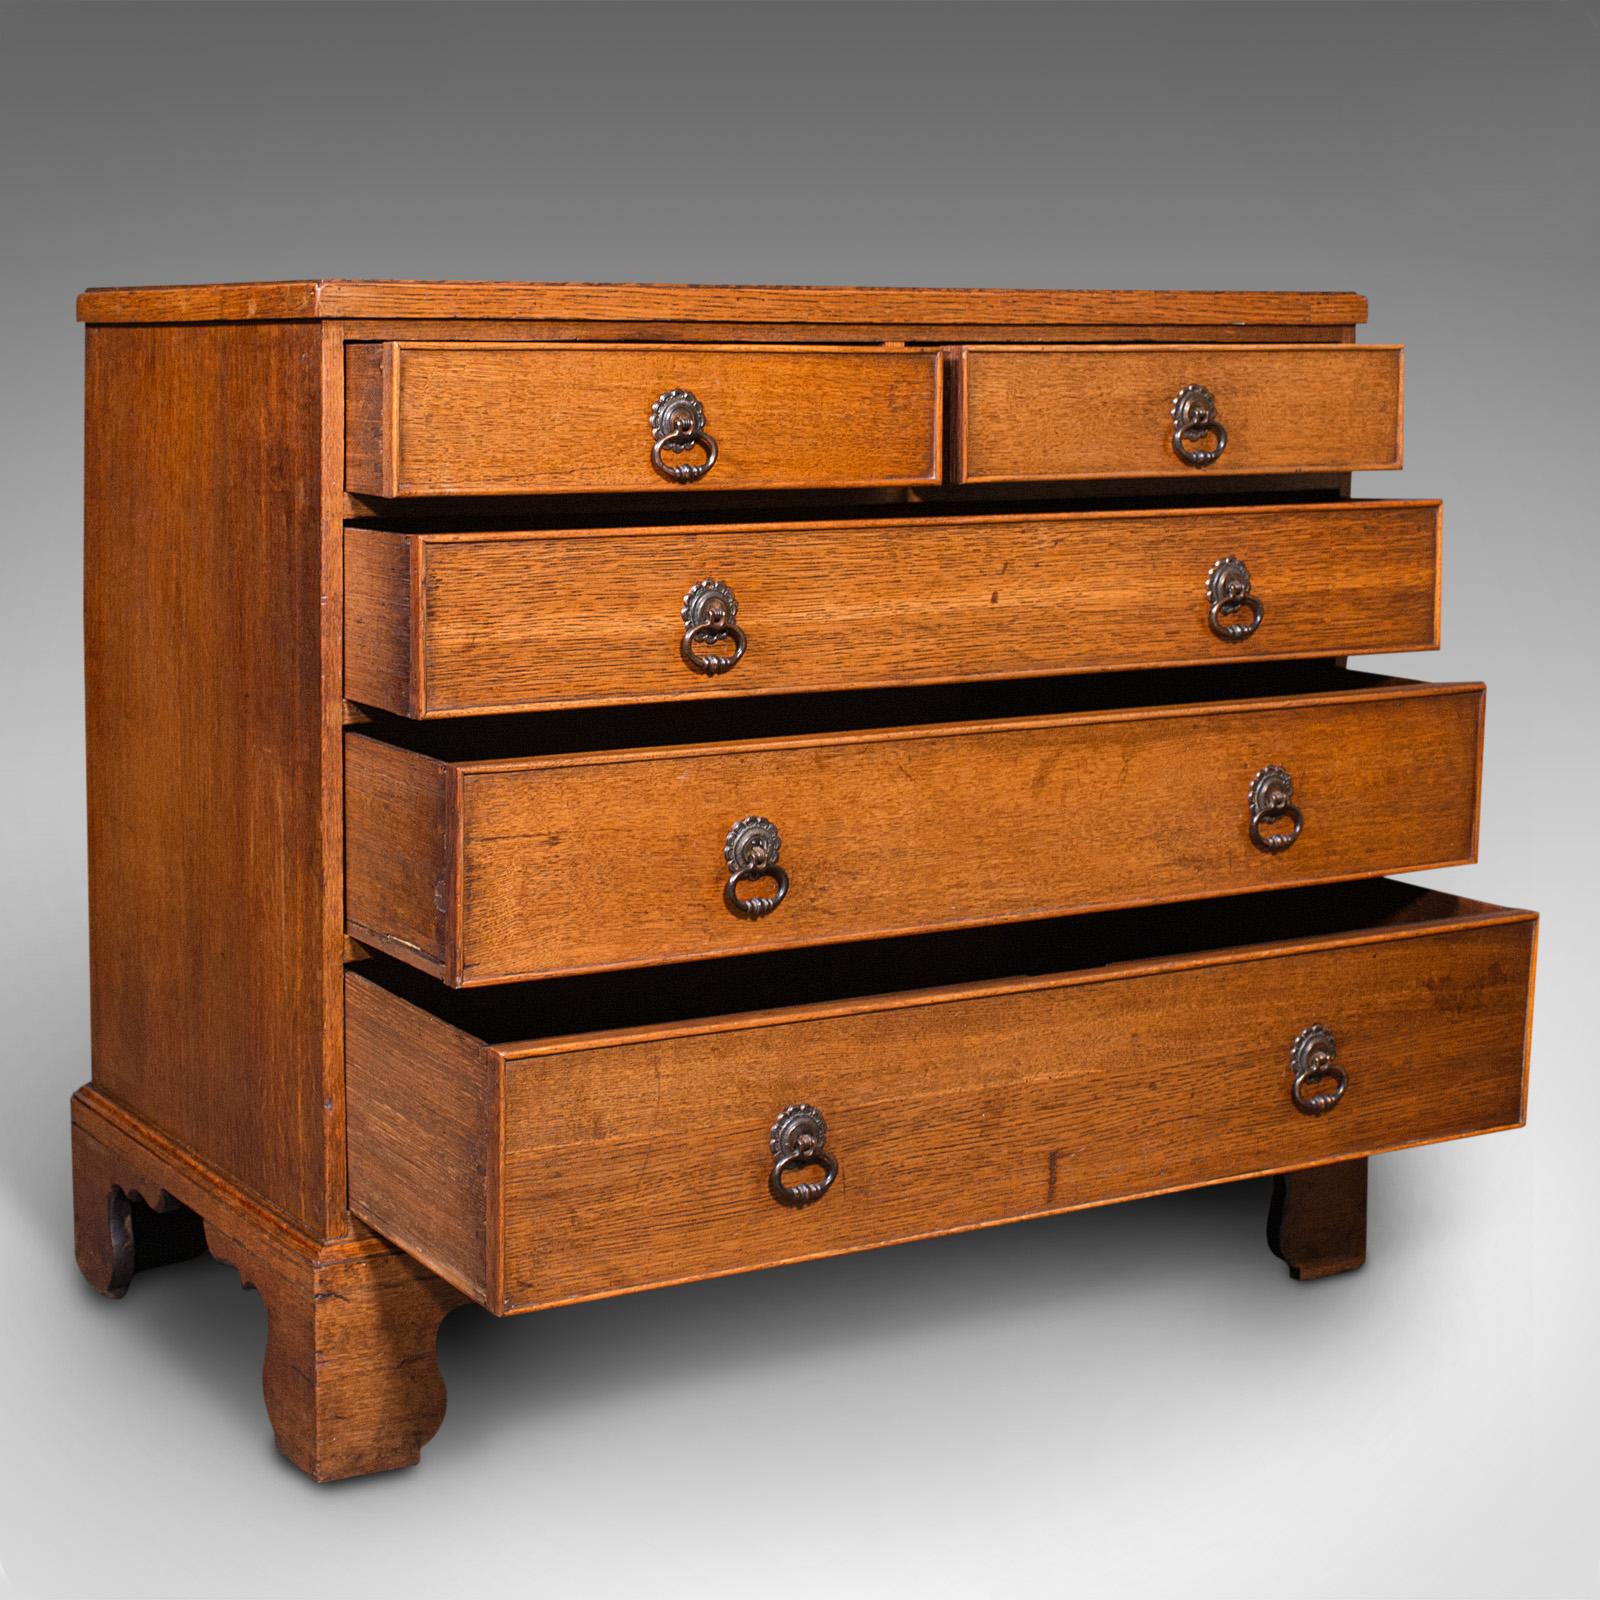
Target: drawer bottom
x=582 y=1137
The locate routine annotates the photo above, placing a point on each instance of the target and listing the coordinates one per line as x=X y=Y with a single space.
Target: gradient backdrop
x=1130 y=1402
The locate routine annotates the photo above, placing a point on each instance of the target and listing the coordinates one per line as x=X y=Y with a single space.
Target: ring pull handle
x=1194 y=417
x=1271 y=794
x=678 y=424
x=751 y=851
x=1228 y=589
x=1312 y=1061
x=708 y=616
x=797 y=1141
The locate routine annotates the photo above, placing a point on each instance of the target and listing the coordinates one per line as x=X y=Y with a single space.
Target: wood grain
x=599 y=1132
x=445 y=1173
x=213 y=819
x=659 y=331
x=1035 y=414
x=441 y=418
x=689 y=303
x=1317 y=1223
x=585 y=861
x=963 y=1107
x=446 y=624
x=351 y=1377
x=394 y=795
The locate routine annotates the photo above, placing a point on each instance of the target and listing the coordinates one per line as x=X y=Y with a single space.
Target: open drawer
x=486 y=850
x=441 y=624
x=587 y=1136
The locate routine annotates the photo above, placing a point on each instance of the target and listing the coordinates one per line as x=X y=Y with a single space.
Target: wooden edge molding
x=201 y=1187
x=314 y=299
x=351 y=1376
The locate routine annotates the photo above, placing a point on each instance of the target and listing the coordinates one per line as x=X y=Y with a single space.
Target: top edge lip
x=316 y=299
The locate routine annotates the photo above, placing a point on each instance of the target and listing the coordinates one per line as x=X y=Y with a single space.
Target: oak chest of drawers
x=894 y=744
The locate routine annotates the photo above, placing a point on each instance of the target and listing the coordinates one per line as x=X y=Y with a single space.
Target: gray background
x=1129 y=1402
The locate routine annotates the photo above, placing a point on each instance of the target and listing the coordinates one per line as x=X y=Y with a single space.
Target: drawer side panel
x=422 y=1131
x=382 y=631
x=400 y=847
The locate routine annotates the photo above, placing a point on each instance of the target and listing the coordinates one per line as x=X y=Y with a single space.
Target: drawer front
x=487 y=872
x=445 y=419
x=1108 y=412
x=442 y=624
x=641 y=1158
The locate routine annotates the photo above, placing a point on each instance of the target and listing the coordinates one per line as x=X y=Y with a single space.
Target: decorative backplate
x=701 y=603
x=675 y=418
x=794 y=1127
x=751 y=845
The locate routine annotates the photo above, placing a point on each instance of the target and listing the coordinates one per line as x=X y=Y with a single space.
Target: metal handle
x=708 y=612
x=1228 y=589
x=678 y=423
x=1194 y=417
x=1271 y=791
x=751 y=851
x=1312 y=1061
x=796 y=1142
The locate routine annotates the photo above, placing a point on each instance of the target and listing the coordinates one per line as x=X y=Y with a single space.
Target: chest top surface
x=333 y=298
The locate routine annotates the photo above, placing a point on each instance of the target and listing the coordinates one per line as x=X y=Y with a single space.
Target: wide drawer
x=893 y=812
x=1026 y=413
x=432 y=419
x=591 y=1136
x=440 y=624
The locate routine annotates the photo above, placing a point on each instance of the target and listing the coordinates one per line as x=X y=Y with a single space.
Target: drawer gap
x=527 y=513
x=542 y=733
x=557 y=1007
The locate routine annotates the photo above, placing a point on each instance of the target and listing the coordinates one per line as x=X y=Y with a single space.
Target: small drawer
x=1180 y=410
x=441 y=624
x=586 y=1137
x=487 y=850
x=487 y=419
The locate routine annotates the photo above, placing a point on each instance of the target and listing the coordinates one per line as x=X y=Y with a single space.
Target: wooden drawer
x=432 y=419
x=588 y=1136
x=1032 y=413
x=1116 y=790
x=439 y=624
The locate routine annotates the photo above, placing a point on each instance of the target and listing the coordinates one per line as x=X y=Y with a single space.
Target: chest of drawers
x=593 y=787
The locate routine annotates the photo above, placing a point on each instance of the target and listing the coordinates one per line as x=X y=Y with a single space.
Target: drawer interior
x=555 y=1008
x=542 y=733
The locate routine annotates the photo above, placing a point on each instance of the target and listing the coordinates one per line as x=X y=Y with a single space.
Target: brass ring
x=758 y=905
x=1314 y=1105
x=709 y=633
x=689 y=472
x=1233 y=632
x=802 y=1194
x=1272 y=843
x=1199 y=458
